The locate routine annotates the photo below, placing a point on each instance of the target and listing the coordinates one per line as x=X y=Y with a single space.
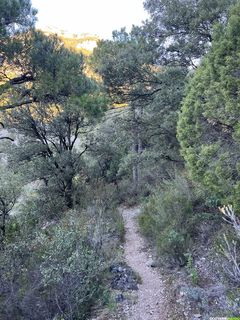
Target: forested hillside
x=150 y=119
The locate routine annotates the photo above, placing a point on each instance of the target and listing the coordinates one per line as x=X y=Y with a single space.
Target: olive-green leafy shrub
x=58 y=270
x=72 y=269
x=167 y=219
x=192 y=271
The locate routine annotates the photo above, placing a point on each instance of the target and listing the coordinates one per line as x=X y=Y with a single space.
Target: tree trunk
x=69 y=193
x=3 y=228
x=136 y=148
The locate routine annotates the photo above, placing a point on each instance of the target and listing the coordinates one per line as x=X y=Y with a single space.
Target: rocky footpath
x=150 y=300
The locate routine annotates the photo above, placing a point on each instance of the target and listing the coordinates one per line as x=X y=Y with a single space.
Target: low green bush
x=148 y=224
x=192 y=270
x=60 y=269
x=167 y=219
x=72 y=269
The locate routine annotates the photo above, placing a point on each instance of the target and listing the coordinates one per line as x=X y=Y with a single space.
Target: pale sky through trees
x=98 y=17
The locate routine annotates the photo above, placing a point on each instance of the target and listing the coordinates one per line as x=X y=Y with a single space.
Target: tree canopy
x=208 y=127
x=181 y=30
x=15 y=16
x=44 y=71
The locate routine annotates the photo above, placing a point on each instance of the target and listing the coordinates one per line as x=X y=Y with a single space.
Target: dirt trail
x=150 y=304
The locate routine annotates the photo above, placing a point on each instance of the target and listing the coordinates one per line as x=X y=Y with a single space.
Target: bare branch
x=230 y=217
x=22 y=79
x=230 y=251
x=17 y=104
x=8 y=138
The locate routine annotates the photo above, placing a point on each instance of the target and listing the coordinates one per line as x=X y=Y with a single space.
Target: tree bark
x=136 y=148
x=69 y=193
x=3 y=229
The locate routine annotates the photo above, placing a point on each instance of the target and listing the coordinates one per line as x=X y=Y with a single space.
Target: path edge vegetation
x=158 y=126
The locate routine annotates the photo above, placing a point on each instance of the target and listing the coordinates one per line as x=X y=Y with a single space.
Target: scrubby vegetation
x=168 y=219
x=57 y=268
x=171 y=217
x=151 y=118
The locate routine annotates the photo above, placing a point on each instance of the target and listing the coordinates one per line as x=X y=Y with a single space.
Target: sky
x=97 y=17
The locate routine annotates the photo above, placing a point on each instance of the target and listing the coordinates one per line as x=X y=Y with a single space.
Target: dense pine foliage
x=208 y=128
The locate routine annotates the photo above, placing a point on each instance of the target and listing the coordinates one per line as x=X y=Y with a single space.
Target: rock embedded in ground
x=119 y=298
x=151 y=263
x=123 y=277
x=216 y=291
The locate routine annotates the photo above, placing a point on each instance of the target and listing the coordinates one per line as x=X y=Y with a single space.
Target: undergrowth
x=170 y=218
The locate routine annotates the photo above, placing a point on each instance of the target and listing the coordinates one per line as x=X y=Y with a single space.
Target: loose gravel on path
x=150 y=302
